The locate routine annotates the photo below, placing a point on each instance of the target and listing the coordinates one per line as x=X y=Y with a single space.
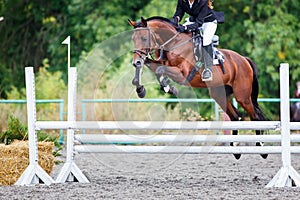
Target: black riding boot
x=208 y=63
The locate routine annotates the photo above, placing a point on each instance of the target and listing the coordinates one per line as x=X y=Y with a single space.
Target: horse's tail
x=255 y=91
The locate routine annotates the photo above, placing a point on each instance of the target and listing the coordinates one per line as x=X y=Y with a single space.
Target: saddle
x=218 y=56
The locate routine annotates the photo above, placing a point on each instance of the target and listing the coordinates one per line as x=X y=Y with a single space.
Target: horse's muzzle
x=138 y=63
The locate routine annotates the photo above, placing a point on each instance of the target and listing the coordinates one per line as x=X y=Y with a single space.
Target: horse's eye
x=144 y=39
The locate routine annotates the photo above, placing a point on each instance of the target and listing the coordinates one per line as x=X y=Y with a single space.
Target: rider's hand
x=180 y=28
x=191 y=19
x=176 y=20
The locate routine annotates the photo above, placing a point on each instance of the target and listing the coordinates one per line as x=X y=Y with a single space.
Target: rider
x=202 y=15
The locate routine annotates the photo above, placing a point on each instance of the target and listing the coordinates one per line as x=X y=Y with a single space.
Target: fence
x=286 y=176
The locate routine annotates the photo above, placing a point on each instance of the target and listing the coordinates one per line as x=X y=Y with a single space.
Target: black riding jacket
x=200 y=12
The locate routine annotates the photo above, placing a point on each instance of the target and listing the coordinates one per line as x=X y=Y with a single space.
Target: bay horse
x=169 y=54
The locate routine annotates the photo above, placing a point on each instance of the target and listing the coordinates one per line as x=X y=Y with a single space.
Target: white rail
x=183 y=149
x=160 y=125
x=140 y=139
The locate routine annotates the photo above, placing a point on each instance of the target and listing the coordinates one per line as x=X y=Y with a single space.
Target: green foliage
x=17 y=131
x=273 y=32
x=158 y=8
x=26 y=32
x=32 y=32
x=50 y=85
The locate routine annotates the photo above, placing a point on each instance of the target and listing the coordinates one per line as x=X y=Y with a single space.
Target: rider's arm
x=179 y=11
x=204 y=11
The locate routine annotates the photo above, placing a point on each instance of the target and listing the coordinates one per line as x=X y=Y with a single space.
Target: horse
x=168 y=53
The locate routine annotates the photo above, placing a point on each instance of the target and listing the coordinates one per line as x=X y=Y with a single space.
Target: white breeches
x=209 y=30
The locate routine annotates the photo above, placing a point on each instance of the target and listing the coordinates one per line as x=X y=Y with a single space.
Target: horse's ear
x=144 y=22
x=132 y=23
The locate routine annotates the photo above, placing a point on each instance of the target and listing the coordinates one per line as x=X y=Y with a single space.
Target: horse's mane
x=159 y=18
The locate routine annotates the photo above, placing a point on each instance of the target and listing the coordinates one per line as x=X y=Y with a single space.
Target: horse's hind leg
x=252 y=108
x=222 y=96
x=232 y=112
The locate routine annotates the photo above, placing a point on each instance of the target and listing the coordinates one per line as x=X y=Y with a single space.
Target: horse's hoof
x=260 y=144
x=141 y=91
x=237 y=156
x=234 y=144
x=264 y=156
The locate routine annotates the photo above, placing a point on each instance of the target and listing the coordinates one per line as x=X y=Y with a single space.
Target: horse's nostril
x=138 y=63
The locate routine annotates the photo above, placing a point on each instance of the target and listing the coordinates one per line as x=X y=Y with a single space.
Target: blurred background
x=31 y=32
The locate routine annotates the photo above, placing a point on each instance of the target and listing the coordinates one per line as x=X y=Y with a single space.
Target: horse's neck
x=168 y=37
x=179 y=49
x=163 y=30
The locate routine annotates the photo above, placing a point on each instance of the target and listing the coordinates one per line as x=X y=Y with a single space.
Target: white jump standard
x=34 y=173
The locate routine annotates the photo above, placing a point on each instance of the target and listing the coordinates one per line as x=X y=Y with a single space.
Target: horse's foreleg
x=137 y=81
x=161 y=75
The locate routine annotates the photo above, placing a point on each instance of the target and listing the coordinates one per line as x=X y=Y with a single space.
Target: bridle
x=148 y=52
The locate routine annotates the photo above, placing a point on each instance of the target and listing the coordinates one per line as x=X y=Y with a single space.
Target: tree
x=274 y=31
x=33 y=31
x=26 y=32
x=266 y=31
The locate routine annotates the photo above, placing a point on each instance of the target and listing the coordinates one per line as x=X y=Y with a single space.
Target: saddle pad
x=218 y=57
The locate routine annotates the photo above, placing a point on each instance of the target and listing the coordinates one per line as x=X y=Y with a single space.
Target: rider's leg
x=209 y=30
x=208 y=63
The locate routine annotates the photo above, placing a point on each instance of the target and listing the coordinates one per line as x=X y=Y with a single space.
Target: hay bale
x=14 y=159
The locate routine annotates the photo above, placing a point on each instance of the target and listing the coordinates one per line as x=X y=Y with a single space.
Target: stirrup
x=206 y=75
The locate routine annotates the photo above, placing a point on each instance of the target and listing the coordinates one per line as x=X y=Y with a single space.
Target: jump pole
x=287 y=176
x=34 y=173
x=70 y=172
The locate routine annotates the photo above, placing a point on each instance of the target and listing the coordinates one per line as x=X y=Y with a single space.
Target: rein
x=168 y=41
x=148 y=53
x=182 y=43
x=161 y=47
